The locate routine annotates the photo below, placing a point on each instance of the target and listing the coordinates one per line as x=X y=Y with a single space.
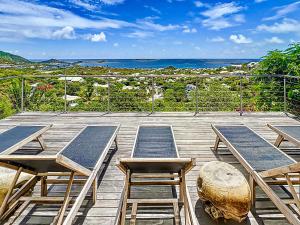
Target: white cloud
x=112 y=2
x=96 y=37
x=240 y=39
x=152 y=9
x=217 y=24
x=217 y=39
x=140 y=34
x=221 y=10
x=259 y=1
x=286 y=26
x=171 y=1
x=240 y=18
x=284 y=10
x=197 y=48
x=200 y=4
x=20 y=13
x=223 y=16
x=186 y=29
x=83 y=4
x=64 y=33
x=31 y=20
x=275 y=40
x=148 y=23
x=116 y=44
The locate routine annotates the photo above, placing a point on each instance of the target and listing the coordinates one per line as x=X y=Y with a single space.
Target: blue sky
x=39 y=29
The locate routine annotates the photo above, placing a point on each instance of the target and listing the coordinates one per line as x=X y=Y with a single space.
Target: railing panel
x=293 y=95
x=175 y=94
x=133 y=94
x=87 y=94
x=150 y=93
x=10 y=96
x=219 y=94
x=263 y=93
x=43 y=94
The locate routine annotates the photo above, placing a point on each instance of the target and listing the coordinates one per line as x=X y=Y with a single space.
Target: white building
x=72 y=79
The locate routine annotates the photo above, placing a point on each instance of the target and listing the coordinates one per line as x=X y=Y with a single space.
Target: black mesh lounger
x=155 y=161
x=18 y=136
x=264 y=162
x=287 y=132
x=82 y=156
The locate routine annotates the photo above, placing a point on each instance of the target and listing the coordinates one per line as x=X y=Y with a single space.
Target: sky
x=131 y=29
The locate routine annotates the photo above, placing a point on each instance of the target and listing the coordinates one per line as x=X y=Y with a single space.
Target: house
x=72 y=79
x=71 y=100
x=96 y=85
x=190 y=87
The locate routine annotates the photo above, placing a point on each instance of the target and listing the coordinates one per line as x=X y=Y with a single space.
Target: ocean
x=158 y=63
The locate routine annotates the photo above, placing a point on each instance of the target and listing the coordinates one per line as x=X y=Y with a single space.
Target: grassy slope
x=6 y=57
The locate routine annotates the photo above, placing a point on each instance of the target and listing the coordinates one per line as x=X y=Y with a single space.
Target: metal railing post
x=241 y=95
x=22 y=94
x=284 y=94
x=152 y=109
x=108 y=96
x=65 y=94
x=197 y=96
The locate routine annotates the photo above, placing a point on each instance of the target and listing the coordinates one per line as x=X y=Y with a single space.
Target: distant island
x=52 y=61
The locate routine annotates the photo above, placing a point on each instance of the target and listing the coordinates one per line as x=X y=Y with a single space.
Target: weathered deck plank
x=194 y=138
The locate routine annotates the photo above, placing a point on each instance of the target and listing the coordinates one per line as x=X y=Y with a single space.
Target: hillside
x=52 y=61
x=6 y=57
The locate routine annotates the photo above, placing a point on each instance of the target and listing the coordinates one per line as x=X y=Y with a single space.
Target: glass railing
x=150 y=93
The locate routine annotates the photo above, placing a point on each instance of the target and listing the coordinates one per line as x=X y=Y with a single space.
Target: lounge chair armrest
x=295 y=167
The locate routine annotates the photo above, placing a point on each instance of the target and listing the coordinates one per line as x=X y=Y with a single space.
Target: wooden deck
x=194 y=138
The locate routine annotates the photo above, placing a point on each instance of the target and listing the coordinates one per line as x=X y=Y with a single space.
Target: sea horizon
x=156 y=63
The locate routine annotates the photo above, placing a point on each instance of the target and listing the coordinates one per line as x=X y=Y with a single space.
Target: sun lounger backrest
x=155 y=142
x=255 y=150
x=288 y=132
x=293 y=131
x=16 y=135
x=86 y=148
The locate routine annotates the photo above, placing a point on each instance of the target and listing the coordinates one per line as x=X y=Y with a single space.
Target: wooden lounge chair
x=286 y=132
x=83 y=156
x=265 y=163
x=18 y=136
x=155 y=161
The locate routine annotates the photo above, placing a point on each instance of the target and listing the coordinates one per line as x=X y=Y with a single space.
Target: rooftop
x=194 y=138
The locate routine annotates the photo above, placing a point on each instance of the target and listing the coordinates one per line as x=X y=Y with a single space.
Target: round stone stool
x=224 y=191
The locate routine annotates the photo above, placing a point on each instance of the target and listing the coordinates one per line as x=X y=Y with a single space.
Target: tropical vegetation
x=142 y=92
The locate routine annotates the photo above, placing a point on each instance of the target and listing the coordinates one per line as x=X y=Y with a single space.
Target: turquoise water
x=159 y=63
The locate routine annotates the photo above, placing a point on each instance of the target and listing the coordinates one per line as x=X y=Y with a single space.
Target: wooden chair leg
x=41 y=142
x=124 y=205
x=95 y=186
x=279 y=140
x=116 y=143
x=176 y=214
x=66 y=202
x=23 y=190
x=185 y=202
x=133 y=213
x=293 y=191
x=9 y=192
x=22 y=208
x=217 y=142
x=44 y=189
x=253 y=193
